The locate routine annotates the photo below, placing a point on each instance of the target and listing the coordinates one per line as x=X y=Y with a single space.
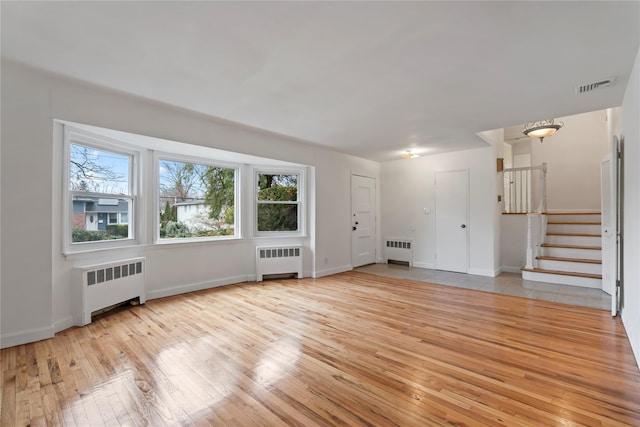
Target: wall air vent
x=589 y=87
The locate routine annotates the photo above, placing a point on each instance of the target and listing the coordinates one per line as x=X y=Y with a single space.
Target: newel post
x=530 y=242
x=543 y=189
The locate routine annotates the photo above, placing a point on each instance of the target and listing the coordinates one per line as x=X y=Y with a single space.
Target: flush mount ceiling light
x=541 y=129
x=409 y=155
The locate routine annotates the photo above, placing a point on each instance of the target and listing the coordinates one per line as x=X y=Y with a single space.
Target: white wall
x=35 y=276
x=408 y=187
x=573 y=172
x=507 y=152
x=631 y=232
x=26 y=294
x=513 y=242
x=334 y=171
x=614 y=125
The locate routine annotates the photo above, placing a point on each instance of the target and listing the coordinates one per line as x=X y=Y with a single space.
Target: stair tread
x=582 y=260
x=573 y=223
x=571 y=213
x=573 y=234
x=555 y=245
x=563 y=273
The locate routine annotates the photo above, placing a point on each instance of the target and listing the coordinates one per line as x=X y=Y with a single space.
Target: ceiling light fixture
x=541 y=129
x=409 y=155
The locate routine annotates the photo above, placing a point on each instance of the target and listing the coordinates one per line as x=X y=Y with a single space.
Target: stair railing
x=525 y=192
x=525 y=189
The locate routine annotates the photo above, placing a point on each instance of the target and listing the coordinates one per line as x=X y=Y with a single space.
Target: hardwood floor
x=351 y=349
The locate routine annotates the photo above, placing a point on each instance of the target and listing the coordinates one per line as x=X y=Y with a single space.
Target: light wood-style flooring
x=351 y=349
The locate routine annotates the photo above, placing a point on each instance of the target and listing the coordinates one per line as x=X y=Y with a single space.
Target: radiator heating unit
x=399 y=251
x=278 y=260
x=108 y=284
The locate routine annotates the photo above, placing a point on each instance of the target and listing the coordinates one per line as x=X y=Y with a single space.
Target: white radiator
x=399 y=250
x=278 y=260
x=103 y=285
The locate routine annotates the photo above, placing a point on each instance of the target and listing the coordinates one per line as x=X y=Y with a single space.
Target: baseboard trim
x=62 y=324
x=199 y=286
x=482 y=272
x=632 y=327
x=510 y=269
x=427 y=265
x=25 y=337
x=330 y=271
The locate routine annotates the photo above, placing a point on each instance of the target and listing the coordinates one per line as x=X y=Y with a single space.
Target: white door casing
x=363 y=220
x=609 y=180
x=452 y=220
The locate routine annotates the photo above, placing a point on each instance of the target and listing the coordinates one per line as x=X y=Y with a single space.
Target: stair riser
x=572 y=253
x=573 y=218
x=584 y=282
x=574 y=267
x=573 y=240
x=574 y=228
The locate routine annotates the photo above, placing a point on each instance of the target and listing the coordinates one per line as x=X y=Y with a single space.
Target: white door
x=452 y=225
x=91 y=222
x=610 y=224
x=363 y=220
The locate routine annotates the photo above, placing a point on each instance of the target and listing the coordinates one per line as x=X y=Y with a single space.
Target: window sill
x=194 y=241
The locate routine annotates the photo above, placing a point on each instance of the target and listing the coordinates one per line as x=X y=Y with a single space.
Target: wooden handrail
x=542 y=167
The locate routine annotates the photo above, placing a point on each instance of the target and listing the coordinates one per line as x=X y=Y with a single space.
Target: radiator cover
x=399 y=250
x=103 y=285
x=278 y=260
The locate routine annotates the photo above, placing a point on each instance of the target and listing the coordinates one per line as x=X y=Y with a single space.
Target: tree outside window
x=101 y=193
x=278 y=202
x=196 y=200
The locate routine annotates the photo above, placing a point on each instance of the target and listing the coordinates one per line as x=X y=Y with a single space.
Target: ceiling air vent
x=589 y=87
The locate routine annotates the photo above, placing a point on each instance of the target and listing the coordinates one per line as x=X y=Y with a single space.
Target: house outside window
x=100 y=190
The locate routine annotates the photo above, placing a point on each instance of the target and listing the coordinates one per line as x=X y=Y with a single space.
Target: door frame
x=375 y=213
x=467 y=217
x=612 y=230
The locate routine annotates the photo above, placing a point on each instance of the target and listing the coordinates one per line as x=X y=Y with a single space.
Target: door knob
x=354 y=228
x=463 y=226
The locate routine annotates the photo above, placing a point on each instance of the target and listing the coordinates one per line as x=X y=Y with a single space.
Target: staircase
x=571 y=253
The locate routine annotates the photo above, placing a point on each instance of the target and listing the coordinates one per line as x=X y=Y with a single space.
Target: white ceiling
x=366 y=78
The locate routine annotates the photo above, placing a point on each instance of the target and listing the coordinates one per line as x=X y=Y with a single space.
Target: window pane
x=277 y=217
x=98 y=171
x=96 y=218
x=196 y=200
x=278 y=187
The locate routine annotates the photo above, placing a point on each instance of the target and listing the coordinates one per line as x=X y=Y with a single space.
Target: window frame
x=300 y=202
x=75 y=136
x=203 y=161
